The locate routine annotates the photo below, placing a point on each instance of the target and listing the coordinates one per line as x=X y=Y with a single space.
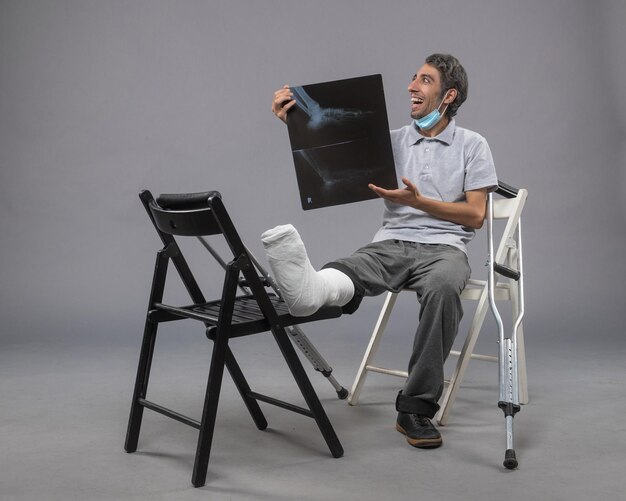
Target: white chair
x=508 y=208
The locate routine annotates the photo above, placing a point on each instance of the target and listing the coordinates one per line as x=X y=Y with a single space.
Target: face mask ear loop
x=444 y=110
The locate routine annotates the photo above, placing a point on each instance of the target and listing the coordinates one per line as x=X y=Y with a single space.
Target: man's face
x=425 y=90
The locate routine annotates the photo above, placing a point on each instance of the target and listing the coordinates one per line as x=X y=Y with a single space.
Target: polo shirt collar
x=446 y=136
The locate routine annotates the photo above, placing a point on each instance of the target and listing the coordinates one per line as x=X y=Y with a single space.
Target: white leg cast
x=304 y=290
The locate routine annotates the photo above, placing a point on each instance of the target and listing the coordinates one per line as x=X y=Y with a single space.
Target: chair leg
x=141 y=386
x=145 y=355
x=209 y=411
x=372 y=347
x=306 y=388
x=244 y=390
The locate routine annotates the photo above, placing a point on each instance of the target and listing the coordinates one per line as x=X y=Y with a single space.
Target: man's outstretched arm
x=470 y=213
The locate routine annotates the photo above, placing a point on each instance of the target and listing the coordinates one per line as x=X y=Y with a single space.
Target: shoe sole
x=420 y=443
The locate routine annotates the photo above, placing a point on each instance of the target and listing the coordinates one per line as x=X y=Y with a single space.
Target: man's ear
x=450 y=96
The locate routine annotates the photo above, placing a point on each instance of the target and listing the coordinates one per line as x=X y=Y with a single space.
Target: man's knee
x=445 y=286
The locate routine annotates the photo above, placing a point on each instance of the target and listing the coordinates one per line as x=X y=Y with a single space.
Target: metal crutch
x=508 y=375
x=301 y=341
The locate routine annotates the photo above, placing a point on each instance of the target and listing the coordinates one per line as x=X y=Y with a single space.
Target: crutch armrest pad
x=506 y=190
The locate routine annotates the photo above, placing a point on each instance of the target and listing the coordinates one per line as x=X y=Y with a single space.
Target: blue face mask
x=432 y=119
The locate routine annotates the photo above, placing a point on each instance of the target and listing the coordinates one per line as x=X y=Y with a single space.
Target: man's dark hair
x=453 y=76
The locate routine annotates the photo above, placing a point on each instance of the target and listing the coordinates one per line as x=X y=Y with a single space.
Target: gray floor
x=65 y=406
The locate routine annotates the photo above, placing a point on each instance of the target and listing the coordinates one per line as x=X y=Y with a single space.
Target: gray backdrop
x=101 y=99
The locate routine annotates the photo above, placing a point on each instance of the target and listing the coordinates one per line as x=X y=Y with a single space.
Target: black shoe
x=419 y=431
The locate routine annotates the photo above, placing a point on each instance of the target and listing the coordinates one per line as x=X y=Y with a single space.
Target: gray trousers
x=437 y=273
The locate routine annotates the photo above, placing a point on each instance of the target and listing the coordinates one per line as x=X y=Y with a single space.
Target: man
x=447 y=172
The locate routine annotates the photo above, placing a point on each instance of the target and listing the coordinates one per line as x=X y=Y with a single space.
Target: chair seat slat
x=247 y=315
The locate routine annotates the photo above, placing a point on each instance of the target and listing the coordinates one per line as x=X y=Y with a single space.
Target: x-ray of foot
x=320 y=117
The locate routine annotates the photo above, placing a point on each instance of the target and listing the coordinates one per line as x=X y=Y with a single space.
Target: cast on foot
x=303 y=289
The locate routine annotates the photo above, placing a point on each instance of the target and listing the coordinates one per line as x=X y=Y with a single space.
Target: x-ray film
x=340 y=141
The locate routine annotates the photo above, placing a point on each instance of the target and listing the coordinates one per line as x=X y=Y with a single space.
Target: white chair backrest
x=509 y=209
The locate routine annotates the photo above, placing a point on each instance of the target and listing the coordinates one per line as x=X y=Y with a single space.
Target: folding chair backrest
x=198 y=215
x=185 y=216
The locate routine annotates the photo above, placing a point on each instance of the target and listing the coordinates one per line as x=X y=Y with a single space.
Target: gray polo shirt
x=444 y=168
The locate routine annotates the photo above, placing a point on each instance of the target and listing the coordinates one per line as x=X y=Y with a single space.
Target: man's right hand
x=283 y=101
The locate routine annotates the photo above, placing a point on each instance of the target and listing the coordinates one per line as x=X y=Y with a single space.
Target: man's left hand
x=409 y=195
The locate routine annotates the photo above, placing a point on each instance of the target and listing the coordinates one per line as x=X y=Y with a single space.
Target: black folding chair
x=199 y=215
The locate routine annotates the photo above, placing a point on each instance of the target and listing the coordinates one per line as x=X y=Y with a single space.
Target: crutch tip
x=342 y=394
x=510 y=461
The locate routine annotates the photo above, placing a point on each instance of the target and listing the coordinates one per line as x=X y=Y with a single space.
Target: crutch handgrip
x=244 y=283
x=505 y=271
